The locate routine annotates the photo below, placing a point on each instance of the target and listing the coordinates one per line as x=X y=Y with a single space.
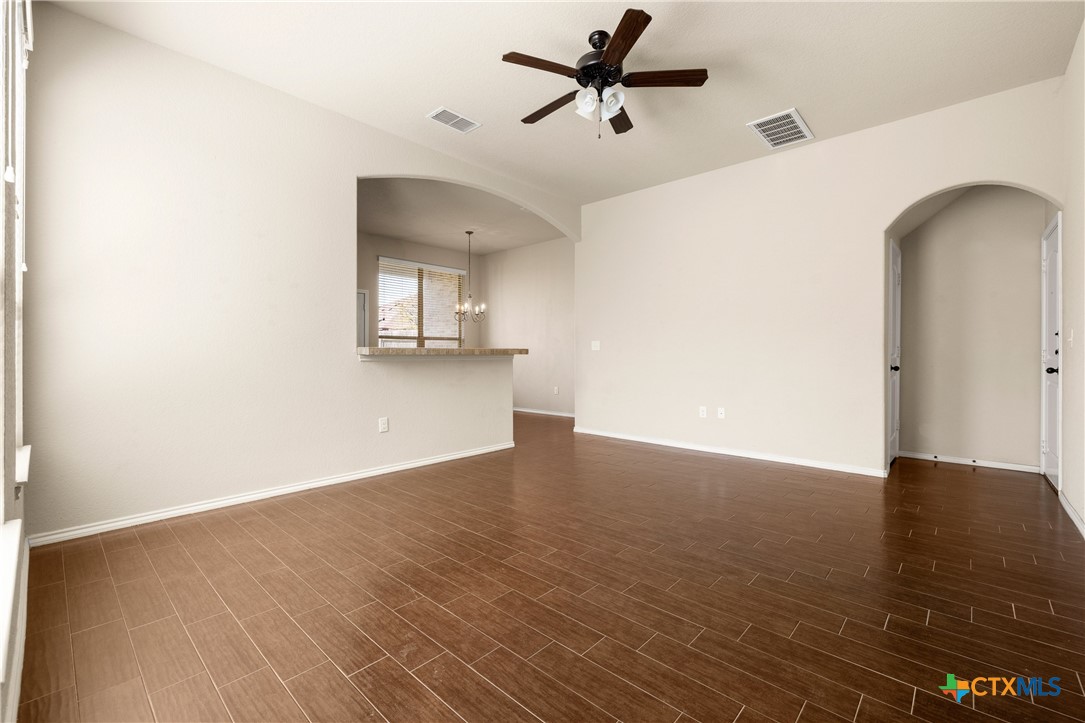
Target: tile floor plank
x=193 y=700
x=260 y=697
x=468 y=693
x=325 y=695
x=399 y=696
x=285 y=646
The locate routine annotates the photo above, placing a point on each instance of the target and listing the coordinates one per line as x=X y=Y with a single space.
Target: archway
x=413 y=263
x=970 y=389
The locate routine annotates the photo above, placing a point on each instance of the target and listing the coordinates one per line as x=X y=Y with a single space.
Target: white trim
x=527 y=410
x=70 y=533
x=16 y=674
x=1074 y=516
x=1055 y=227
x=817 y=464
x=1034 y=468
x=14 y=599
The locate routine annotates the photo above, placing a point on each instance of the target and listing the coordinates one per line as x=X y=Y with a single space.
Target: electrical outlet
x=702 y=412
x=595 y=346
x=555 y=390
x=720 y=413
x=382 y=425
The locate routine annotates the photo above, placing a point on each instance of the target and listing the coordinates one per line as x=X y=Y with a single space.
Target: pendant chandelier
x=468 y=309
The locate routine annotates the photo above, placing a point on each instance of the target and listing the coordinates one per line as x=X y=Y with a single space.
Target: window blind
x=417 y=304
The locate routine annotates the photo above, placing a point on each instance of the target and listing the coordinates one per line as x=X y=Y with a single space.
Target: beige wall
x=530 y=293
x=190 y=314
x=970 y=329
x=1072 y=367
x=760 y=287
x=370 y=248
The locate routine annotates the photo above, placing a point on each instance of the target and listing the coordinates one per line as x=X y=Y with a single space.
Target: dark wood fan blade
x=692 y=77
x=629 y=29
x=539 y=64
x=549 y=108
x=621 y=123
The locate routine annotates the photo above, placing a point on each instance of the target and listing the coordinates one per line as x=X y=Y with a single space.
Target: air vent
x=453 y=120
x=781 y=129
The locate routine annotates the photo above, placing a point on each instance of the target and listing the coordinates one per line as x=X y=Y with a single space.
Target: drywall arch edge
x=525 y=203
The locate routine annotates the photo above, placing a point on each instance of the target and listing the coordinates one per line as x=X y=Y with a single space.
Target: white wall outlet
x=595 y=346
x=382 y=425
x=702 y=412
x=720 y=414
x=555 y=390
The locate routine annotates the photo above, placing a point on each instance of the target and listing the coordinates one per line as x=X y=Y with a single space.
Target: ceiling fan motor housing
x=591 y=71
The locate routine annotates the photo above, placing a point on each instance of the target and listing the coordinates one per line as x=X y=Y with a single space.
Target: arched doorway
x=971 y=301
x=414 y=273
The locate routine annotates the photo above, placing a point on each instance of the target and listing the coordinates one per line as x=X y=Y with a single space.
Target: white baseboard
x=1074 y=516
x=1035 y=469
x=543 y=411
x=70 y=533
x=848 y=468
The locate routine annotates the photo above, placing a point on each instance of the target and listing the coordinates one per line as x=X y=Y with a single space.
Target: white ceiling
x=845 y=66
x=436 y=213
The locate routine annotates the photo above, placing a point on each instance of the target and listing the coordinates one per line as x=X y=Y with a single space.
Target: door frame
x=1054 y=227
x=361 y=321
x=893 y=333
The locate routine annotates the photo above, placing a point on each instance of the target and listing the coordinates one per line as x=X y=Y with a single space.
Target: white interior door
x=1051 y=309
x=894 y=351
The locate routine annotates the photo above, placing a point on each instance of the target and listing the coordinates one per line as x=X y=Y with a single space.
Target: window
x=416 y=304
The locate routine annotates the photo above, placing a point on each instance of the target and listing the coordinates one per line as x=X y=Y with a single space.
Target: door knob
x=894 y=369
x=1052 y=370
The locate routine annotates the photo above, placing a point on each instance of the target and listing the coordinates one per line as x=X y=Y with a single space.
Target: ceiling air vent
x=781 y=129
x=453 y=120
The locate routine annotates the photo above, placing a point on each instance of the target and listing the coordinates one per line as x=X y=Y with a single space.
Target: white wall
x=970 y=329
x=1072 y=366
x=760 y=287
x=190 y=314
x=371 y=248
x=530 y=295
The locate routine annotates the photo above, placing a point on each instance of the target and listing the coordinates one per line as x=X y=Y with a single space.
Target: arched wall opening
x=521 y=266
x=963 y=328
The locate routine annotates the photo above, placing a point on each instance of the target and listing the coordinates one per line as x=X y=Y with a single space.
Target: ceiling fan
x=600 y=70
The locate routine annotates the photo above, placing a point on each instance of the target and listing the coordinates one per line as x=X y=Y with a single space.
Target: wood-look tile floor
x=574 y=578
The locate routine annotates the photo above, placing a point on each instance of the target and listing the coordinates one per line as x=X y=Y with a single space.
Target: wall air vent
x=781 y=129
x=453 y=120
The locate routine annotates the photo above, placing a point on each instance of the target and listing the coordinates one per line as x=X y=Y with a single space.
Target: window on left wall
x=18 y=41
x=416 y=304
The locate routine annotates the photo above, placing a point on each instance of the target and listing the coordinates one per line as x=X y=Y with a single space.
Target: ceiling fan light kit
x=612 y=103
x=586 y=103
x=599 y=70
